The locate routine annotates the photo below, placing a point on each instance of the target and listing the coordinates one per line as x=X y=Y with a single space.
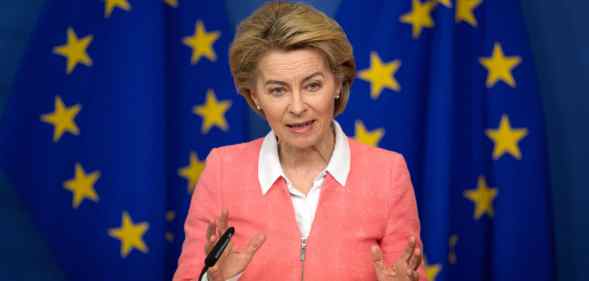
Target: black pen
x=217 y=251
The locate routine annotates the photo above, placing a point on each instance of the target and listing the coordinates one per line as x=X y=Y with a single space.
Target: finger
x=226 y=252
x=410 y=249
x=254 y=244
x=376 y=253
x=413 y=275
x=222 y=222
x=377 y=258
x=214 y=274
x=415 y=260
x=210 y=243
x=211 y=228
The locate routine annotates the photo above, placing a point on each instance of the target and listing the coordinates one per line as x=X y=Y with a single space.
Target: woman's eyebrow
x=282 y=83
x=318 y=73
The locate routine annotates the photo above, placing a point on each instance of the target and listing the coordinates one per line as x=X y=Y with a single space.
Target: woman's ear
x=254 y=98
x=339 y=91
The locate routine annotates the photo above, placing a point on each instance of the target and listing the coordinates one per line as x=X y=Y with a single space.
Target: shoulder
x=381 y=175
x=244 y=151
x=375 y=157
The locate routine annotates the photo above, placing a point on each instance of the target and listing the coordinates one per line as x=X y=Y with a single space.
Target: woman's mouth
x=302 y=127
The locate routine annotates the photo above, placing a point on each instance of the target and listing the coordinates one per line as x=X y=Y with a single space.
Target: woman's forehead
x=291 y=65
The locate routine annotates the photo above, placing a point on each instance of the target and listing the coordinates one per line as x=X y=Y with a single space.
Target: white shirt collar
x=270 y=169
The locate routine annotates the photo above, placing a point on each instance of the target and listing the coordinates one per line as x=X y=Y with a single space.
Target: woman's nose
x=297 y=104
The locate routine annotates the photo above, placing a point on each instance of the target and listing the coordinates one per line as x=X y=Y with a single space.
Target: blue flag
x=114 y=111
x=118 y=103
x=450 y=85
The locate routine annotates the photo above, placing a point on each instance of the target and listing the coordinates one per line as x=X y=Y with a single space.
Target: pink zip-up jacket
x=377 y=205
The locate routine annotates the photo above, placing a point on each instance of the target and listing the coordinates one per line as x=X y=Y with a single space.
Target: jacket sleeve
x=205 y=206
x=403 y=219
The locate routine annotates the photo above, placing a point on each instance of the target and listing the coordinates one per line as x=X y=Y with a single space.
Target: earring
x=258 y=107
x=337 y=97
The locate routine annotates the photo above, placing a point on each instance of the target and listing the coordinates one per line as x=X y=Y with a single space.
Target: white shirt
x=270 y=170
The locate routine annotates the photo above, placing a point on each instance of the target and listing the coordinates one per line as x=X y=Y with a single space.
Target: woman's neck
x=310 y=157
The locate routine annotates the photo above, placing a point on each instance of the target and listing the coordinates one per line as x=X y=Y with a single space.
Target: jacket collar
x=270 y=169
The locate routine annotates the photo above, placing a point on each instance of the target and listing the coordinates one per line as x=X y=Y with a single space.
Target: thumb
x=378 y=260
x=377 y=254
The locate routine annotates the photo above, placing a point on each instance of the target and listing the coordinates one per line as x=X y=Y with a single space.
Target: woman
x=307 y=203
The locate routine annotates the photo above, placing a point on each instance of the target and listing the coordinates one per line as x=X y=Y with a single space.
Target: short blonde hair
x=290 y=26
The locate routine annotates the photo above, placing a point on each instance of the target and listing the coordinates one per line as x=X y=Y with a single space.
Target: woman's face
x=296 y=91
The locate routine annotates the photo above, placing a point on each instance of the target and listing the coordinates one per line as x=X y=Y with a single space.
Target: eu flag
x=118 y=103
x=114 y=110
x=450 y=85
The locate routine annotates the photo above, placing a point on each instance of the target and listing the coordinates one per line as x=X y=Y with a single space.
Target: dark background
x=560 y=44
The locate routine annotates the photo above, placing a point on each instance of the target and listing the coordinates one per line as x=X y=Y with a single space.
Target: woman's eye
x=278 y=91
x=313 y=87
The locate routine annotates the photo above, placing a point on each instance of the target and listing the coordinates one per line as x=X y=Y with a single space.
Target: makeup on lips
x=301 y=127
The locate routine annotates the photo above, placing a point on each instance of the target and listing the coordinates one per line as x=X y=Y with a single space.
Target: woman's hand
x=233 y=261
x=405 y=269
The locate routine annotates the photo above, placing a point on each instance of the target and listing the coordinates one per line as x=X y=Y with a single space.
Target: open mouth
x=301 y=128
x=300 y=125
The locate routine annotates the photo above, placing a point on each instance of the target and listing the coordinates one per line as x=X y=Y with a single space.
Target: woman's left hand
x=405 y=269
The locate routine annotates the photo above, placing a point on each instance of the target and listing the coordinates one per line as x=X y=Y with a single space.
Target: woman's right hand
x=233 y=261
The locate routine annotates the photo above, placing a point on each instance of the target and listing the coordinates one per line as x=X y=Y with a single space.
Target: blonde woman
x=307 y=202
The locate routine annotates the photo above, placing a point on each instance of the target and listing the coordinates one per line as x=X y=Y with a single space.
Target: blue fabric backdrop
x=118 y=102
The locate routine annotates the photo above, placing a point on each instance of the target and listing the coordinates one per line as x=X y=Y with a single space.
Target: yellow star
x=446 y=3
x=465 y=11
x=452 y=248
x=169 y=236
x=506 y=138
x=74 y=50
x=170 y=216
x=82 y=186
x=212 y=112
x=130 y=235
x=482 y=197
x=499 y=67
x=110 y=5
x=380 y=75
x=364 y=136
x=172 y=3
x=419 y=17
x=62 y=119
x=192 y=171
x=201 y=43
x=432 y=270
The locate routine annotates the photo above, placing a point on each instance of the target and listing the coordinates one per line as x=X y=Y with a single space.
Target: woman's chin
x=302 y=143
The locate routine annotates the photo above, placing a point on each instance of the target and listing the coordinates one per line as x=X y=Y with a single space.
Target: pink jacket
x=377 y=205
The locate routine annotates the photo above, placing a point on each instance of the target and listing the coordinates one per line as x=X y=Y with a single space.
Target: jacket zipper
x=302 y=257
